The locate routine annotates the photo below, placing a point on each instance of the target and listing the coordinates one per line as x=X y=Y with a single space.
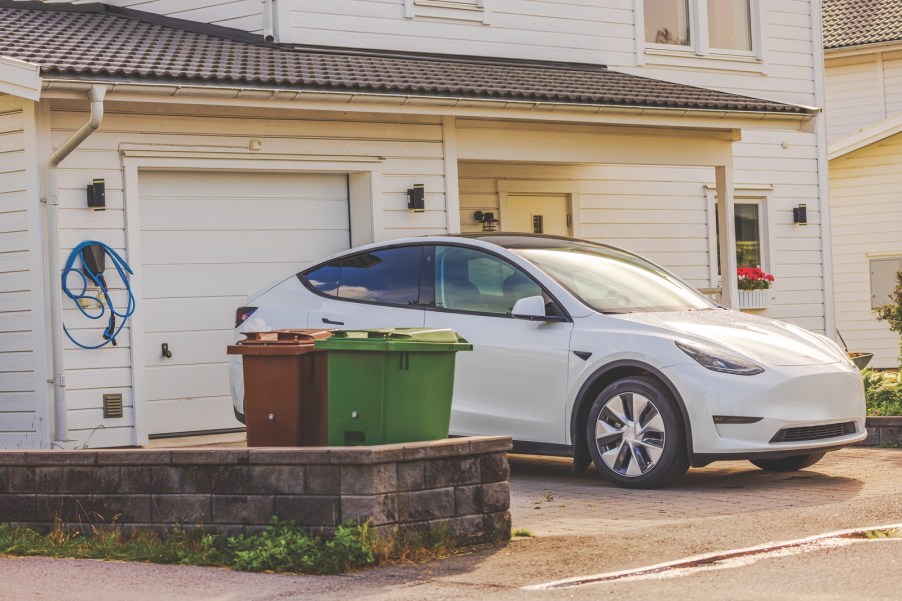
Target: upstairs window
x=703 y=26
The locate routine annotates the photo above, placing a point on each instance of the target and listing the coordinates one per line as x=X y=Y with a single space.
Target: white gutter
x=60 y=407
x=387 y=99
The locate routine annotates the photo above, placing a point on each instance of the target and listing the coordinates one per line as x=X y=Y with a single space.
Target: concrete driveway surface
x=582 y=526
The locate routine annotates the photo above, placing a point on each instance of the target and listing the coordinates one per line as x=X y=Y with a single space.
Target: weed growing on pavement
x=549 y=495
x=884 y=533
x=522 y=532
x=281 y=547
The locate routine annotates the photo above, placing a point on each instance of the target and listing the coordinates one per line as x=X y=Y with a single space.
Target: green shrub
x=892 y=311
x=882 y=392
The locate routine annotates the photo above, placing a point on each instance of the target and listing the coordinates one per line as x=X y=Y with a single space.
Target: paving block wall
x=459 y=484
x=886 y=431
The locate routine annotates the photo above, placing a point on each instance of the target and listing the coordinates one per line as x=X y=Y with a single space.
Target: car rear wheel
x=788 y=464
x=635 y=434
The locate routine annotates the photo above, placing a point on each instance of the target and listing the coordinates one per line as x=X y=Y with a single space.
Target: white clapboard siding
x=19 y=422
x=408 y=150
x=864 y=197
x=239 y=14
x=599 y=32
x=853 y=101
x=892 y=86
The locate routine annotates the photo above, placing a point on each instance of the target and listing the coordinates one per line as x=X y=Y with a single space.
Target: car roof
x=524 y=240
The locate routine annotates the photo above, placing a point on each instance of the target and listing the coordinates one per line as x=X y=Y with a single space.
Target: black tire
x=665 y=438
x=788 y=464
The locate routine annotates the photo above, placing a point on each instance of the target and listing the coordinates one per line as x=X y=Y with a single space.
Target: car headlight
x=719 y=359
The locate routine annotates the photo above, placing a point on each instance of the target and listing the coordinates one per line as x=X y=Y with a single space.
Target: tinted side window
x=389 y=276
x=471 y=280
x=325 y=279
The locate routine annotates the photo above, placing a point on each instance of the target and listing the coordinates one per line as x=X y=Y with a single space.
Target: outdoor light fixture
x=800 y=215
x=97 y=195
x=488 y=221
x=416 y=198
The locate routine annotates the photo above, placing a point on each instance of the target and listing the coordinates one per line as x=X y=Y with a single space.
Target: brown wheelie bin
x=285 y=388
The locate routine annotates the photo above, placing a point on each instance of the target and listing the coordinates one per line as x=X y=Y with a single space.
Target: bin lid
x=278 y=342
x=396 y=339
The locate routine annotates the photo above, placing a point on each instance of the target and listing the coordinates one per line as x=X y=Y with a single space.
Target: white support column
x=452 y=189
x=726 y=224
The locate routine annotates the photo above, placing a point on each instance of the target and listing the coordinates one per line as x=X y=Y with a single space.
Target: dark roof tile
x=101 y=42
x=859 y=22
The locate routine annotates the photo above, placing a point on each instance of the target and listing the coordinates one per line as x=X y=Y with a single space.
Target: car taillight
x=242 y=314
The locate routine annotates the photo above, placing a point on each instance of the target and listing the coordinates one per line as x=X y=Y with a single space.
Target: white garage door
x=207 y=240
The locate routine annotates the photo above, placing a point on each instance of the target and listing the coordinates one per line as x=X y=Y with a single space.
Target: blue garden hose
x=89 y=278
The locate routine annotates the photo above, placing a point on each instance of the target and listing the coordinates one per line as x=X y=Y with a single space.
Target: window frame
x=742 y=194
x=699 y=36
x=459 y=10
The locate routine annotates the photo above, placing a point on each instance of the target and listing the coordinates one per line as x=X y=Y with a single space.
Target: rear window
x=390 y=276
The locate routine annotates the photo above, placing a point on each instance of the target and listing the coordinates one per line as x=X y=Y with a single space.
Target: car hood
x=760 y=339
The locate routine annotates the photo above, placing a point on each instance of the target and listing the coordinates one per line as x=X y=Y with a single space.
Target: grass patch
x=522 y=532
x=281 y=547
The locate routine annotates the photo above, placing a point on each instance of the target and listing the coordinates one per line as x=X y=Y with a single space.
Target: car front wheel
x=635 y=434
x=788 y=464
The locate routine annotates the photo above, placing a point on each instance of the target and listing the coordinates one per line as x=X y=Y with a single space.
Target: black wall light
x=800 y=215
x=97 y=195
x=416 y=198
x=488 y=221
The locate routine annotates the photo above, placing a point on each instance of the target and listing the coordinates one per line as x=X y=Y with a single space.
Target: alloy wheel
x=630 y=434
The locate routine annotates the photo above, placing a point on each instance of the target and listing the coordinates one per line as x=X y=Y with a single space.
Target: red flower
x=753 y=278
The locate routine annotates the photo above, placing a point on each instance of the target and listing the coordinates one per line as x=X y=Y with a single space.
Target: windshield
x=614 y=281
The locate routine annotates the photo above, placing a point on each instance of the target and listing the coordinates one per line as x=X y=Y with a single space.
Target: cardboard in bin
x=285 y=388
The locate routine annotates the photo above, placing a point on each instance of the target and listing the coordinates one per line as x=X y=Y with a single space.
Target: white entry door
x=208 y=239
x=538 y=214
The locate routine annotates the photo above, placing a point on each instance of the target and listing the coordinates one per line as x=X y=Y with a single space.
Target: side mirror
x=531 y=308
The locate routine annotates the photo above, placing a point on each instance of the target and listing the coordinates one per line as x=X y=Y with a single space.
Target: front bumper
x=782 y=397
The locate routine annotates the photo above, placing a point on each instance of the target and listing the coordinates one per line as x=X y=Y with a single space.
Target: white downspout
x=269 y=35
x=60 y=408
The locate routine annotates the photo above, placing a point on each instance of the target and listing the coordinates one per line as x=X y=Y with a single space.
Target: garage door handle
x=334 y=323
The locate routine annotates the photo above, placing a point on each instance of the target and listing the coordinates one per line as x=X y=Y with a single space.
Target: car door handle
x=334 y=323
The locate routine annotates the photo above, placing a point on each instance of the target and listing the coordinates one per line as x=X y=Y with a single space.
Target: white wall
x=601 y=32
x=239 y=14
x=22 y=415
x=410 y=149
x=861 y=91
x=865 y=188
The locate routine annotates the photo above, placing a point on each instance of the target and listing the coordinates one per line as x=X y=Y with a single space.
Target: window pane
x=325 y=279
x=729 y=24
x=470 y=280
x=748 y=235
x=667 y=22
x=389 y=276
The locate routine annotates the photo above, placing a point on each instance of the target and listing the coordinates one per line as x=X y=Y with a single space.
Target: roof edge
x=345 y=97
x=20 y=78
x=866 y=137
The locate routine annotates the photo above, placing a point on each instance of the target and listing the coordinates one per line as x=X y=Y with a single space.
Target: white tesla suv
x=588 y=351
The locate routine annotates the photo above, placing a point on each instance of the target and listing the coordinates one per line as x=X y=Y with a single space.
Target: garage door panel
x=249 y=246
x=192 y=281
x=230 y=184
x=191 y=314
x=188 y=348
x=207 y=241
x=240 y=214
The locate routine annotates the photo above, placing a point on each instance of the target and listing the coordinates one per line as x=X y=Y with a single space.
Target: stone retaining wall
x=460 y=484
x=883 y=431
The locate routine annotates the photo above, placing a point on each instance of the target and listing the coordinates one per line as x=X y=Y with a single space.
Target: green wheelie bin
x=390 y=385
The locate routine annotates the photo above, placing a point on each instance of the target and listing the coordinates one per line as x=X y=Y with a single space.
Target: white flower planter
x=754 y=299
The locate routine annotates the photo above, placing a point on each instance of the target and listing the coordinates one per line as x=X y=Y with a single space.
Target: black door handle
x=165 y=350
x=334 y=323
